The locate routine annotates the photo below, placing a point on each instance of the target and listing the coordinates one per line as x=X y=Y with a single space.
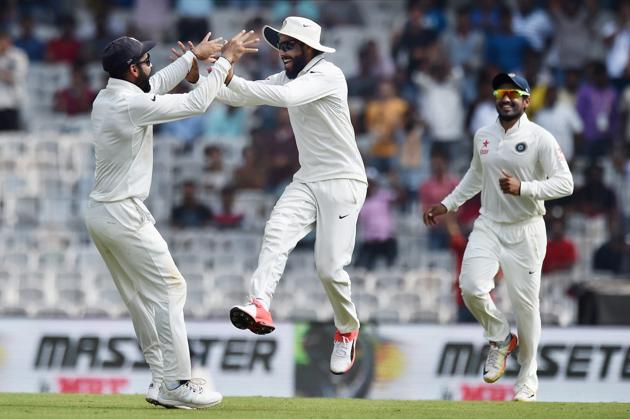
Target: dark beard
x=299 y=63
x=508 y=118
x=143 y=82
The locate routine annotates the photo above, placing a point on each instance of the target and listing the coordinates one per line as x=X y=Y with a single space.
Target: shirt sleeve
x=166 y=79
x=469 y=186
x=559 y=181
x=232 y=98
x=149 y=108
x=300 y=91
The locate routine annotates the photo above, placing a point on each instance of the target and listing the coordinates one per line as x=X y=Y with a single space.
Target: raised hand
x=239 y=45
x=193 y=74
x=207 y=48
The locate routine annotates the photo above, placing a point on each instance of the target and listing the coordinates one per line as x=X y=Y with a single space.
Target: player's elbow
x=566 y=187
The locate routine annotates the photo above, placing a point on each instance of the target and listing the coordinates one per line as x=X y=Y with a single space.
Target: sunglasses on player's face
x=511 y=93
x=146 y=61
x=287 y=45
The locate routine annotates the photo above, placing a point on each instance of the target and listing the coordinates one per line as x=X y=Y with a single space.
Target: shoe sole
x=242 y=320
x=502 y=372
x=187 y=407
x=156 y=403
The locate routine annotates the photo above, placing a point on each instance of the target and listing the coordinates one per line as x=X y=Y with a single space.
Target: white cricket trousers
x=332 y=208
x=149 y=283
x=519 y=249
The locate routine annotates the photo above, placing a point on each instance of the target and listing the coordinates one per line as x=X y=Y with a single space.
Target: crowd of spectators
x=416 y=99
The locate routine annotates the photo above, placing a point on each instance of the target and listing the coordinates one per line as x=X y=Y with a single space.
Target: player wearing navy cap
x=121 y=226
x=516 y=165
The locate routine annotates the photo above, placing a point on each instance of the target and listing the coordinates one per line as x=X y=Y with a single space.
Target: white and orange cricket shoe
x=344 y=351
x=252 y=316
x=497 y=358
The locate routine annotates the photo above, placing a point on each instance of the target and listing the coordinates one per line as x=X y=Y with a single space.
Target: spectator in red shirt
x=561 y=251
x=65 y=48
x=227 y=218
x=77 y=98
x=434 y=189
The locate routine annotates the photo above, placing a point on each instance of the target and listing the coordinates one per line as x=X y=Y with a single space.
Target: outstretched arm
x=469 y=186
x=304 y=89
x=232 y=98
x=151 y=108
x=148 y=109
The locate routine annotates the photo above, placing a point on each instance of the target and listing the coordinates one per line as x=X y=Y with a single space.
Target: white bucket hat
x=300 y=28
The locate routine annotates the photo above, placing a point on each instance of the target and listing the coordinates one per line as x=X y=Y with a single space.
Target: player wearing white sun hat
x=326 y=193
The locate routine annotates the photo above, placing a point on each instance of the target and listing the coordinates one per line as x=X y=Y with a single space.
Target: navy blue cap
x=122 y=52
x=510 y=78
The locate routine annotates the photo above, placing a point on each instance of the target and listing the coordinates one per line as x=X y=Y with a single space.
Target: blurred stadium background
x=419 y=76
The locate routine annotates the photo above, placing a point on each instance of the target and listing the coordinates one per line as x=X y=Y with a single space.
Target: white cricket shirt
x=317 y=101
x=122 y=125
x=526 y=151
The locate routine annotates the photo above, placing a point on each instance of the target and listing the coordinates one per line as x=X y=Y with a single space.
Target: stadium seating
x=50 y=268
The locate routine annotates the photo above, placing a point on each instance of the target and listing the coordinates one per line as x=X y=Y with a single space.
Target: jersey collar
x=122 y=85
x=311 y=64
x=521 y=123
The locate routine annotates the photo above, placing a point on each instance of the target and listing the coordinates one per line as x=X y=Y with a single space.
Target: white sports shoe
x=524 y=394
x=497 y=359
x=344 y=351
x=190 y=395
x=152 y=392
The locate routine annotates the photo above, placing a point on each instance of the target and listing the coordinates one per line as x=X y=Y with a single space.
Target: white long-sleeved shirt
x=122 y=125
x=528 y=152
x=317 y=101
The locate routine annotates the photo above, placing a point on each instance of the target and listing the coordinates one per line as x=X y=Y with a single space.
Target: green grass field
x=40 y=406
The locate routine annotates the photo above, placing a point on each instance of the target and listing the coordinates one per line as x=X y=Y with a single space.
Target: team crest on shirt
x=484 y=148
x=520 y=147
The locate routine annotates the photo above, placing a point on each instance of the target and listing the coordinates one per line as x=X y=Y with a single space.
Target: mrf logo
x=92 y=385
x=123 y=352
x=495 y=391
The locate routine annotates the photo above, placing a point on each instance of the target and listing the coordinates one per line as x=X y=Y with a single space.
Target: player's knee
x=469 y=290
x=177 y=284
x=325 y=271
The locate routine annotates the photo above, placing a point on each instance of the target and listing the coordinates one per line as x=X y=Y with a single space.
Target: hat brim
x=146 y=47
x=504 y=78
x=272 y=37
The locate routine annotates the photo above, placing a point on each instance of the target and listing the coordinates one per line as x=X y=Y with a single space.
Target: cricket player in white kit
x=326 y=193
x=121 y=226
x=516 y=165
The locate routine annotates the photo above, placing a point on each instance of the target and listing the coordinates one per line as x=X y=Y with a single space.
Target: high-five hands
x=239 y=45
x=193 y=74
x=207 y=48
x=210 y=50
x=509 y=184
